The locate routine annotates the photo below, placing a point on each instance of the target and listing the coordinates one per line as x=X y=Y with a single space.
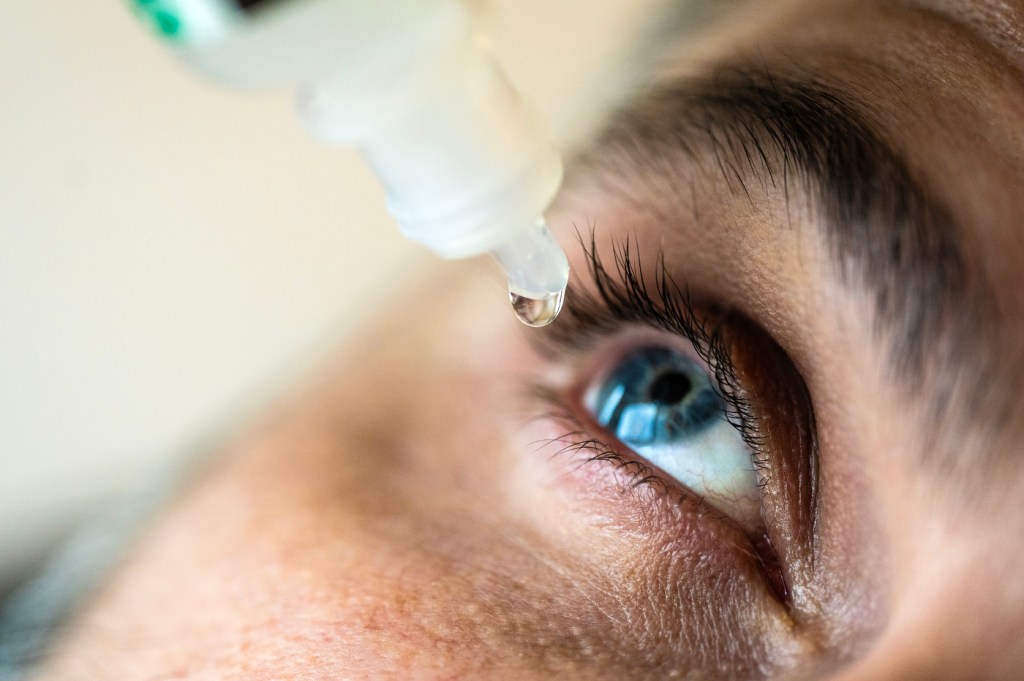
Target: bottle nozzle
x=537 y=272
x=467 y=163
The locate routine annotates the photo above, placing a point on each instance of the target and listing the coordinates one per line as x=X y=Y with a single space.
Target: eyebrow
x=887 y=232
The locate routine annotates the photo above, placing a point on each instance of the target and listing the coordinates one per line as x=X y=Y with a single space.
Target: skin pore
x=818 y=202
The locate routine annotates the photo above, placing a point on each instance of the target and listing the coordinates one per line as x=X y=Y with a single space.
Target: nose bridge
x=938 y=658
x=963 y=620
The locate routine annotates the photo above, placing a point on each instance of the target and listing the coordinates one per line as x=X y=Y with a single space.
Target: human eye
x=663 y=403
x=693 y=400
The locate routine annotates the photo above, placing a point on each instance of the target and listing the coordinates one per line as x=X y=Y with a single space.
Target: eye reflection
x=664 y=406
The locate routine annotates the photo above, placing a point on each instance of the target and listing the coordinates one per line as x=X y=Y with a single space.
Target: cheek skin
x=357 y=536
x=386 y=525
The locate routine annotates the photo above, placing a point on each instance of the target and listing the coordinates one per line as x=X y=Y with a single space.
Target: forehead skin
x=943 y=80
x=322 y=544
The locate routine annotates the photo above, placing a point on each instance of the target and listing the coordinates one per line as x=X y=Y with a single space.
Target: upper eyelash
x=623 y=297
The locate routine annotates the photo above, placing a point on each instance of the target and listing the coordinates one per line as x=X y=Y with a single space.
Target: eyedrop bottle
x=467 y=165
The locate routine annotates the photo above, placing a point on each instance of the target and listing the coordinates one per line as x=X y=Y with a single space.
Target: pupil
x=670 y=388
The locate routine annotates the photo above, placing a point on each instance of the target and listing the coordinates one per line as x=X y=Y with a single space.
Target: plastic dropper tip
x=538 y=273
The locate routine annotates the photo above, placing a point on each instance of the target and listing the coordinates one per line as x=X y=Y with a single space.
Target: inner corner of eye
x=666 y=407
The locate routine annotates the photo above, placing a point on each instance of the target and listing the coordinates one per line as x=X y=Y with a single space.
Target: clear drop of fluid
x=537 y=312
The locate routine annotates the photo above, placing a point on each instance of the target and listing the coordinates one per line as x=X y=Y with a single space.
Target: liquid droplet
x=537 y=312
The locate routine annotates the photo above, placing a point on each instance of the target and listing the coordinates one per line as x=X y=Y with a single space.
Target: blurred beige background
x=172 y=252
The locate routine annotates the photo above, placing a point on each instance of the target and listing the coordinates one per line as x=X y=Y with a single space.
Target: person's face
x=775 y=434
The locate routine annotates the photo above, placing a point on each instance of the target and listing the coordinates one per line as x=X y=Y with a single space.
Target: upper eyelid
x=885 y=227
x=620 y=297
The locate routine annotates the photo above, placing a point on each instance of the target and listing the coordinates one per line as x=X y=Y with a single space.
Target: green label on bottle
x=188 y=21
x=162 y=17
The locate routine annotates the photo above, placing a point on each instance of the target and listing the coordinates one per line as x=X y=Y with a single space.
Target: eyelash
x=623 y=297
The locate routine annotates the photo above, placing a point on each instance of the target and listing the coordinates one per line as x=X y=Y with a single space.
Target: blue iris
x=656 y=396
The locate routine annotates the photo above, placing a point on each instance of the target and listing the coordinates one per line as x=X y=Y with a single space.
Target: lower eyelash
x=641 y=475
x=595 y=450
x=580 y=441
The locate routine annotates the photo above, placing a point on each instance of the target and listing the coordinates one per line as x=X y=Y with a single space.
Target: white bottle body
x=464 y=160
x=467 y=165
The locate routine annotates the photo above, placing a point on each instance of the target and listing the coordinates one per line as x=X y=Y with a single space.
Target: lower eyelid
x=636 y=489
x=585 y=444
x=625 y=493
x=608 y=474
x=591 y=444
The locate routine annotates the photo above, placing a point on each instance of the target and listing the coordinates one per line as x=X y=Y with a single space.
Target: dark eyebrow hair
x=888 y=234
